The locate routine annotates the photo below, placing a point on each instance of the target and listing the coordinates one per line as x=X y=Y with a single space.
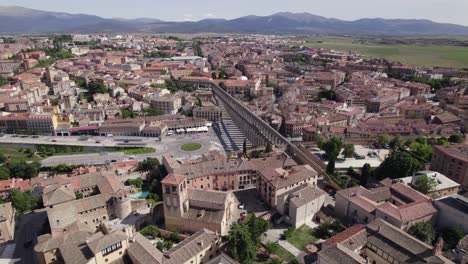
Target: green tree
x=150 y=230
x=423 y=231
x=24 y=170
x=327 y=229
x=222 y=74
x=456 y=138
x=348 y=150
x=138 y=182
x=175 y=237
x=332 y=148
x=79 y=196
x=396 y=142
x=148 y=164
x=442 y=141
x=397 y=165
x=55 y=101
x=23 y=202
x=160 y=246
x=95 y=87
x=365 y=174
x=425 y=184
x=327 y=94
x=4 y=173
x=271 y=247
x=383 y=139
x=257 y=226
x=423 y=151
x=421 y=140
x=241 y=244
x=451 y=237
x=3 y=81
x=62 y=168
x=3 y=158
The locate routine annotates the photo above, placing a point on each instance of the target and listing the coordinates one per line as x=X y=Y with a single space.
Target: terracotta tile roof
x=173 y=179
x=346 y=234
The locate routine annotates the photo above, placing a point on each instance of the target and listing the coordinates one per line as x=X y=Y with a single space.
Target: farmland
x=417 y=55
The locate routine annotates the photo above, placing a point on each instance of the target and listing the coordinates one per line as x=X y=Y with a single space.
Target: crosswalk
x=229 y=134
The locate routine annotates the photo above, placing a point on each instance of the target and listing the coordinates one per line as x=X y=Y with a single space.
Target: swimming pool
x=140 y=195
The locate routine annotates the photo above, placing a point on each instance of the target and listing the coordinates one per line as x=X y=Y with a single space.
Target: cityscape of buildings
x=178 y=149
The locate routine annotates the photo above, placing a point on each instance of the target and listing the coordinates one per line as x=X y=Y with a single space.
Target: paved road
x=170 y=145
x=28 y=227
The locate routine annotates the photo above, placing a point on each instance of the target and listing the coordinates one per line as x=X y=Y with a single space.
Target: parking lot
x=251 y=201
x=364 y=154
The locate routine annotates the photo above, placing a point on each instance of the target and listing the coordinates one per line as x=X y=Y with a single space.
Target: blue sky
x=450 y=11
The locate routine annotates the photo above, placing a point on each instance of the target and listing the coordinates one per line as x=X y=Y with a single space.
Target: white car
x=241 y=206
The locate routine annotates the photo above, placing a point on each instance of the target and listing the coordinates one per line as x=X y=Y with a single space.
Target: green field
x=191 y=146
x=442 y=56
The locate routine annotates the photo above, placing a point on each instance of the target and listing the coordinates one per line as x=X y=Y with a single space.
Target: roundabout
x=191 y=147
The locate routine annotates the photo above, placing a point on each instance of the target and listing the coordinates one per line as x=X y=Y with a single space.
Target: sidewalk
x=289 y=247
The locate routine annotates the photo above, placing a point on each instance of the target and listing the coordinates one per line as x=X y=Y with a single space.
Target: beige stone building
x=378 y=242
x=168 y=104
x=7 y=222
x=199 y=248
x=396 y=203
x=79 y=233
x=82 y=247
x=301 y=204
x=198 y=193
x=189 y=210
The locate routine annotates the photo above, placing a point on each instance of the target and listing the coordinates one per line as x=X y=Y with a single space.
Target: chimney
x=437 y=249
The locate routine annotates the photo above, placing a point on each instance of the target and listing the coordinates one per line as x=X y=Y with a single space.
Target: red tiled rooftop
x=345 y=235
x=173 y=179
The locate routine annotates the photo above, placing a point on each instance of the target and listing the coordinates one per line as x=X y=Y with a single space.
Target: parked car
x=330 y=190
x=241 y=206
x=358 y=156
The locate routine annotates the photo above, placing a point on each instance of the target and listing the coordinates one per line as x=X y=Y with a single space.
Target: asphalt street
x=169 y=145
x=28 y=226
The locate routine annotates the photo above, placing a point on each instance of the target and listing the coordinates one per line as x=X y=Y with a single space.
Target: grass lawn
x=301 y=237
x=284 y=254
x=18 y=153
x=191 y=146
x=431 y=55
x=134 y=151
x=22 y=153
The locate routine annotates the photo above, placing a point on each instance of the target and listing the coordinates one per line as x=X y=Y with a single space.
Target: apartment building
x=41 y=123
x=168 y=104
x=452 y=161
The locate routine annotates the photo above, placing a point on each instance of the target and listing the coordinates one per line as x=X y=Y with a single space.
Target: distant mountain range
x=22 y=20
